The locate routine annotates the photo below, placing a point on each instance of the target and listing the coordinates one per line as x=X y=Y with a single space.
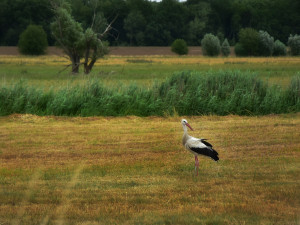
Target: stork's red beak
x=189 y=126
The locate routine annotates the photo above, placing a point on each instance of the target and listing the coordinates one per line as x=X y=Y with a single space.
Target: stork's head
x=185 y=124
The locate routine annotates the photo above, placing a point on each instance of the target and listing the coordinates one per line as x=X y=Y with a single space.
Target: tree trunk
x=75 y=64
x=88 y=66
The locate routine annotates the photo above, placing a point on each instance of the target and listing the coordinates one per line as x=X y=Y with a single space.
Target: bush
x=225 y=48
x=33 y=41
x=266 y=44
x=210 y=45
x=180 y=47
x=239 y=50
x=249 y=40
x=294 y=43
x=279 y=48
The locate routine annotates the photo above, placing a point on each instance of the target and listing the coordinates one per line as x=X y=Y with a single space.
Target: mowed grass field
x=132 y=170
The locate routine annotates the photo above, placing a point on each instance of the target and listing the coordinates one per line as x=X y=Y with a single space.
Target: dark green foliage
x=249 y=40
x=225 y=48
x=240 y=50
x=279 y=48
x=180 y=47
x=157 y=23
x=186 y=93
x=294 y=43
x=33 y=41
x=210 y=45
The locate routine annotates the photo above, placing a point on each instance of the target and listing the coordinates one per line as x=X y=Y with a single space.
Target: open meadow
x=134 y=170
x=50 y=71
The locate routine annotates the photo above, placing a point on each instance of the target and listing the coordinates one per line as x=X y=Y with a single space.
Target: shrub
x=279 y=48
x=225 y=48
x=266 y=44
x=294 y=43
x=210 y=45
x=239 y=50
x=33 y=41
x=179 y=47
x=249 y=39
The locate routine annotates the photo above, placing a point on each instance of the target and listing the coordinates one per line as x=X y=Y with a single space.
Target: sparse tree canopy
x=76 y=42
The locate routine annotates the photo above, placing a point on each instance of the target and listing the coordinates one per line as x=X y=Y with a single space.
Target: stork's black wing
x=206 y=152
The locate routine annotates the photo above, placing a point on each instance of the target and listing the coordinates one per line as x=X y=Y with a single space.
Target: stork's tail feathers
x=214 y=155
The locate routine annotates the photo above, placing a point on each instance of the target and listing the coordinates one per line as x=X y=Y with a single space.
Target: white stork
x=197 y=146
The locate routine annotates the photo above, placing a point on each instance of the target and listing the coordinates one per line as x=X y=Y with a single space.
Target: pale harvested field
x=131 y=170
x=153 y=59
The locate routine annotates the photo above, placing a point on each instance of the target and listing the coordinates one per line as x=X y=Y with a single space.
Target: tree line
x=146 y=23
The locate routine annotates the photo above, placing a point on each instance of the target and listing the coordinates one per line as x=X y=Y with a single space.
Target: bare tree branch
x=108 y=28
x=94 y=16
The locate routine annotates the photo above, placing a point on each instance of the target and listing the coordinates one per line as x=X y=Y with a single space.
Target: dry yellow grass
x=132 y=170
x=168 y=60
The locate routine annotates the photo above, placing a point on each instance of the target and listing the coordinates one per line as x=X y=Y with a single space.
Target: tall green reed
x=184 y=93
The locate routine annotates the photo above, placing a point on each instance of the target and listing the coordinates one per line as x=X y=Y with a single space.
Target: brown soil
x=5 y=50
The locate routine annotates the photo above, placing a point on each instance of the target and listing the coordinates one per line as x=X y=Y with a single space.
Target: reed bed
x=185 y=93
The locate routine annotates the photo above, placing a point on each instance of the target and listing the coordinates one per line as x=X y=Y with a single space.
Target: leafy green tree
x=135 y=24
x=294 y=43
x=239 y=50
x=199 y=12
x=210 y=45
x=266 y=44
x=68 y=34
x=33 y=41
x=195 y=30
x=249 y=40
x=156 y=35
x=225 y=48
x=180 y=47
x=279 y=48
x=16 y=15
x=76 y=42
x=172 y=15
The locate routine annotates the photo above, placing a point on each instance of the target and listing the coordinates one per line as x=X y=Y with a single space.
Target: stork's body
x=197 y=146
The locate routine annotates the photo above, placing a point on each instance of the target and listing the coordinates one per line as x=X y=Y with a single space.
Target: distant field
x=49 y=70
x=131 y=170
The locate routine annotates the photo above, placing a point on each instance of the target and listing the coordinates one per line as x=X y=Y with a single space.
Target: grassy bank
x=132 y=170
x=185 y=93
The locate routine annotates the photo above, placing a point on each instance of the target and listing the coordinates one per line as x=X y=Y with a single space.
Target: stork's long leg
x=196 y=165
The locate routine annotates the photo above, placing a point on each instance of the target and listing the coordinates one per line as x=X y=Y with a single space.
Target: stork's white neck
x=185 y=136
x=184 y=128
